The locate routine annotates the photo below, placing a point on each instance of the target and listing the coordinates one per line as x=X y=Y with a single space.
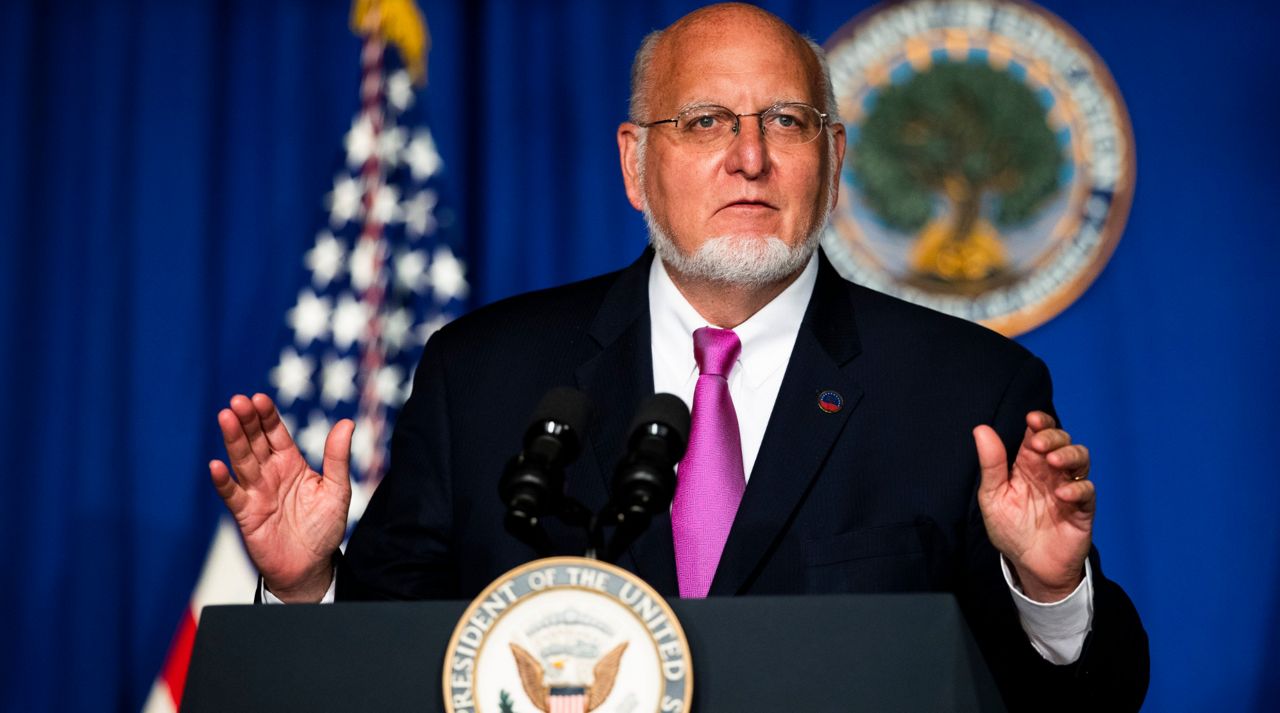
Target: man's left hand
x=1039 y=513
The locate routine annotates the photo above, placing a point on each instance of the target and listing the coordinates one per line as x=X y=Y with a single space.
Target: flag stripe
x=175 y=669
x=228 y=577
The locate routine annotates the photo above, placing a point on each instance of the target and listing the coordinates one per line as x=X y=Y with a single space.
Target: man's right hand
x=291 y=518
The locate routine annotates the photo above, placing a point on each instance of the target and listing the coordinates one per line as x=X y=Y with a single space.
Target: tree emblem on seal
x=951 y=156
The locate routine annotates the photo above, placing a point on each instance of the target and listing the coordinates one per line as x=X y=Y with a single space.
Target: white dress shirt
x=1057 y=630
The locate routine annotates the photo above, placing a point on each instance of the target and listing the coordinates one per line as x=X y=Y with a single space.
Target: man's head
x=747 y=210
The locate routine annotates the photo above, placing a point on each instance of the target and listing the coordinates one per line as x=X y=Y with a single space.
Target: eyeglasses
x=710 y=127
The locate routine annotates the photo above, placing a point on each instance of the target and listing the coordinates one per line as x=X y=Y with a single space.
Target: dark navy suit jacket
x=877 y=497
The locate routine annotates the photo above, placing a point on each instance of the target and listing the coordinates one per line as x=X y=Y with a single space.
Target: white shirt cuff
x=1057 y=630
x=266 y=597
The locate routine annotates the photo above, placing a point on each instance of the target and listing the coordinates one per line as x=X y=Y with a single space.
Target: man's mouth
x=749 y=203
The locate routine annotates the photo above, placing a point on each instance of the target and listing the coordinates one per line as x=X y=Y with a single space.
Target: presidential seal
x=568 y=635
x=990 y=162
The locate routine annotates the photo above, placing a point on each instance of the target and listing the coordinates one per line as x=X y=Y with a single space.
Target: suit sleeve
x=402 y=547
x=1114 y=667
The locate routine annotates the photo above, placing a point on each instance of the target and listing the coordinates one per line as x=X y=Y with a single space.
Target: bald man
x=732 y=154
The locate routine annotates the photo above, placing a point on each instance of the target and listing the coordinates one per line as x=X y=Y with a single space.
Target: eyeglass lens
x=784 y=124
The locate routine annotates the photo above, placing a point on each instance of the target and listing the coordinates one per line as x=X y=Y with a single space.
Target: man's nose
x=747 y=152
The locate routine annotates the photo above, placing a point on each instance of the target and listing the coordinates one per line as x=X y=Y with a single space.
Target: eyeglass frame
x=823 y=117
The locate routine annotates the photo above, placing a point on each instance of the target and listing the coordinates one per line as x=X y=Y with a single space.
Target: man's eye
x=703 y=122
x=787 y=122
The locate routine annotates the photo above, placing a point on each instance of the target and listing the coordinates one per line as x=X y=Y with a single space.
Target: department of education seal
x=990 y=162
x=568 y=635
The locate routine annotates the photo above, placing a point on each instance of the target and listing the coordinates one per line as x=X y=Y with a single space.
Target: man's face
x=750 y=190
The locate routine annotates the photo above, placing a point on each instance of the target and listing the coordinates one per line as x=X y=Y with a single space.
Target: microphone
x=532 y=484
x=645 y=481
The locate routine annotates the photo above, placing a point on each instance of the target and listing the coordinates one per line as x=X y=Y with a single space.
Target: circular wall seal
x=990 y=162
x=568 y=634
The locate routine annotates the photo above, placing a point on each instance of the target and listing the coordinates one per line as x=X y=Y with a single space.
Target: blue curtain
x=163 y=167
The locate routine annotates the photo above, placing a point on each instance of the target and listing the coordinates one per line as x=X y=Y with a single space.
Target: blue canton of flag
x=381 y=277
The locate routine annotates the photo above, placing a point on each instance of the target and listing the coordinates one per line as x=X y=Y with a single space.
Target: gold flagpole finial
x=399 y=23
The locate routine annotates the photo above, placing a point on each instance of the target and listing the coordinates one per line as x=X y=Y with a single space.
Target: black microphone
x=645 y=481
x=532 y=484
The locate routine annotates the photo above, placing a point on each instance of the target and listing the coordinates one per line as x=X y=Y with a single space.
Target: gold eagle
x=531 y=676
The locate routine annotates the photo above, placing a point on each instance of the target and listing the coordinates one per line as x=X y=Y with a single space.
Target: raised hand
x=291 y=518
x=1039 y=513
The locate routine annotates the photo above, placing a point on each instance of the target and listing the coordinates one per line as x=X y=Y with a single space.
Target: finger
x=231 y=493
x=1039 y=420
x=1048 y=440
x=272 y=425
x=244 y=410
x=337 y=452
x=239 y=453
x=1073 y=459
x=1080 y=493
x=992 y=458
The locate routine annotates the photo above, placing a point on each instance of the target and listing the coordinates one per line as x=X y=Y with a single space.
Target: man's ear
x=629 y=156
x=837 y=131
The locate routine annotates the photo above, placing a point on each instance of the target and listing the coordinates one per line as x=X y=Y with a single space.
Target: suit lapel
x=800 y=434
x=617 y=379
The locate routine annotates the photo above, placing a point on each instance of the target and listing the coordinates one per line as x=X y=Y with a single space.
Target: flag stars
x=386 y=205
x=419 y=214
x=309 y=318
x=395 y=328
x=311 y=439
x=325 y=259
x=422 y=157
x=390 y=142
x=360 y=141
x=388 y=384
x=447 y=276
x=337 y=381
x=376 y=220
x=345 y=201
x=400 y=90
x=364 y=264
x=292 y=376
x=411 y=270
x=350 y=320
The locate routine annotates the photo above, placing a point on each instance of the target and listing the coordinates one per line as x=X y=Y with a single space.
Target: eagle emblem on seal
x=558 y=694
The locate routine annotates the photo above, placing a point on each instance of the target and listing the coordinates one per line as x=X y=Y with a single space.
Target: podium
x=890 y=652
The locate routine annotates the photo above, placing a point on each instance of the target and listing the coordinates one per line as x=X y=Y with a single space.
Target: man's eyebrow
x=697 y=104
x=702 y=103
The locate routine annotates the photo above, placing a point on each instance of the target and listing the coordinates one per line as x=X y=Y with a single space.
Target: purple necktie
x=710 y=480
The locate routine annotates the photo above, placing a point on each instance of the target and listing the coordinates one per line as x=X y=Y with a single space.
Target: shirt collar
x=767 y=336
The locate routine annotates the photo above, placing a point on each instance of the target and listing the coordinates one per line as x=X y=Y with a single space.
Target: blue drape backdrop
x=162 y=169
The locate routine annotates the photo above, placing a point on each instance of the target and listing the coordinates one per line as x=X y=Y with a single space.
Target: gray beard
x=739 y=260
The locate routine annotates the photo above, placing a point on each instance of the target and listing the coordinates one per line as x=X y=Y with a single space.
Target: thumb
x=992 y=458
x=337 y=453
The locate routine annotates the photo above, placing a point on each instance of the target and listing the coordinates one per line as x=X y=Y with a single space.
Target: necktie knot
x=715 y=350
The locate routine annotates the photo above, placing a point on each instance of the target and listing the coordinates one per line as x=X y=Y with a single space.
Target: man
x=732 y=154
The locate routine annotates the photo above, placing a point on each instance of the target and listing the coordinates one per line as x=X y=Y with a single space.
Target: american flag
x=381 y=276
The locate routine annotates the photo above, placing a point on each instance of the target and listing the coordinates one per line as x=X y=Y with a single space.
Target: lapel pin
x=830 y=401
